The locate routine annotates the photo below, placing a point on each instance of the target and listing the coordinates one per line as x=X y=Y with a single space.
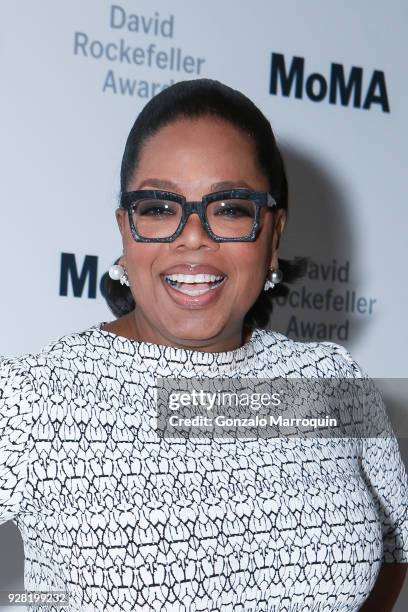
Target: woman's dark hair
x=191 y=100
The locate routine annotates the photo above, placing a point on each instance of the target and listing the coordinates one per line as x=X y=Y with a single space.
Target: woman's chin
x=200 y=334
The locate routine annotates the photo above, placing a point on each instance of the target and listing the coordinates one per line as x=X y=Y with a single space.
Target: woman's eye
x=153 y=209
x=234 y=209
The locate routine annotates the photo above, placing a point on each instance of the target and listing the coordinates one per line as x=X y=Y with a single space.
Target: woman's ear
x=280 y=224
x=278 y=227
x=120 y=218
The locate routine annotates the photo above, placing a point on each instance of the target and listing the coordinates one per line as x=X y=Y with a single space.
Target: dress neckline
x=149 y=350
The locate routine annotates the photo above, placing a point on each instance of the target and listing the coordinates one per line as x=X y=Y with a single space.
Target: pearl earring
x=274 y=277
x=119 y=273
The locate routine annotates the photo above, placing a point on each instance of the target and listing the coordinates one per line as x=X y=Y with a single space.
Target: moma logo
x=82 y=279
x=343 y=86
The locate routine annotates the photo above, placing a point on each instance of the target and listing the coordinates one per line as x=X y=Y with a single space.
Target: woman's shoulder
x=14 y=375
x=68 y=348
x=324 y=357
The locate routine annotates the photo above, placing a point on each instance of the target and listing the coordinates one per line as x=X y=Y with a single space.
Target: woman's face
x=194 y=158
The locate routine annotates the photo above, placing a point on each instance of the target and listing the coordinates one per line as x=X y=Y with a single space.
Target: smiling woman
x=122 y=518
x=193 y=155
x=201 y=138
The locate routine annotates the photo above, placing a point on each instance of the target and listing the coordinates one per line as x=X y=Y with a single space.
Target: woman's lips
x=193 y=290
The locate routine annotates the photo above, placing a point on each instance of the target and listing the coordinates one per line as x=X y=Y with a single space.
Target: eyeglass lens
x=227 y=218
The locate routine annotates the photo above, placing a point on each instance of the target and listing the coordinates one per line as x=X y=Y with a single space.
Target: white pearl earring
x=274 y=277
x=119 y=273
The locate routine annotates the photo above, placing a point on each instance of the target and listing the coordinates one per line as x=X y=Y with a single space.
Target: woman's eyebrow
x=166 y=184
x=159 y=184
x=230 y=185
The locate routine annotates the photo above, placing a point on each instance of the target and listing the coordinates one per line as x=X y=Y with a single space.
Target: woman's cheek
x=246 y=291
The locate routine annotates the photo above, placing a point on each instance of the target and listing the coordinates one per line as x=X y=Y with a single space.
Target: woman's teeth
x=193 y=278
x=185 y=282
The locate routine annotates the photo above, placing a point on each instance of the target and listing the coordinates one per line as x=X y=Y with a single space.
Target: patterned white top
x=124 y=520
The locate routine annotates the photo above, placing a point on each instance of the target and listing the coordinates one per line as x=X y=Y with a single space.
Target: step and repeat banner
x=330 y=77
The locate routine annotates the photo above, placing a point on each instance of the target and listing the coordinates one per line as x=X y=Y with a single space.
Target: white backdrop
x=76 y=74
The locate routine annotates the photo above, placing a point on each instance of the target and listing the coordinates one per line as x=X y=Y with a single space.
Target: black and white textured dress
x=126 y=521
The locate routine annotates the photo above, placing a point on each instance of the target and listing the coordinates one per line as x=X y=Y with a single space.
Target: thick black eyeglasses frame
x=260 y=198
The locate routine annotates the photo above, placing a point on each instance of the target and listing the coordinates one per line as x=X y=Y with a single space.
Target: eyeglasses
x=227 y=216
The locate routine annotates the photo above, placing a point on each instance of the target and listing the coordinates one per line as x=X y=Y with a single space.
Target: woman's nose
x=193 y=234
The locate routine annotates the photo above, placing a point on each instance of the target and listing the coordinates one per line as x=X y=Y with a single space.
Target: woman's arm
x=387 y=588
x=16 y=417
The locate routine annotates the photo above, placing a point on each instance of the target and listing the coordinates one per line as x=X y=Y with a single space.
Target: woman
x=122 y=519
